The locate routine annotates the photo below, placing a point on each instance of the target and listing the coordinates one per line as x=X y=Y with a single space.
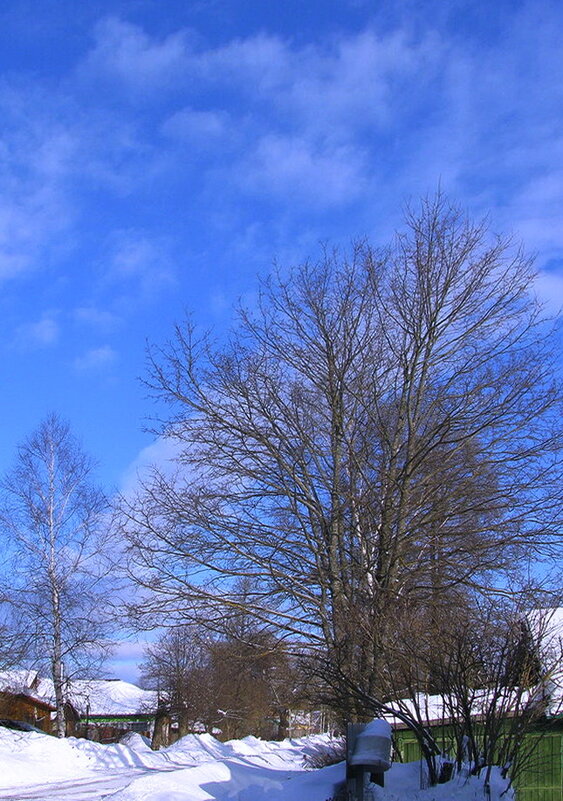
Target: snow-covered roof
x=438 y=709
x=112 y=697
x=104 y=697
x=97 y=697
x=546 y=627
x=17 y=681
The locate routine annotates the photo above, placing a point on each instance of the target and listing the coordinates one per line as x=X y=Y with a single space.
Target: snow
x=30 y=757
x=197 y=768
x=17 y=680
x=377 y=728
x=105 y=697
x=546 y=626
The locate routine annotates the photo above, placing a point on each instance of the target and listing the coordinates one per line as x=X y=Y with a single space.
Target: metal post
x=360 y=784
x=355 y=775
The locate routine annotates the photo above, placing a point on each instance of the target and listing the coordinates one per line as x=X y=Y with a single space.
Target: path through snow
x=74 y=789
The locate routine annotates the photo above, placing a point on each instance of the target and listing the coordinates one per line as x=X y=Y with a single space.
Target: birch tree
x=52 y=515
x=382 y=431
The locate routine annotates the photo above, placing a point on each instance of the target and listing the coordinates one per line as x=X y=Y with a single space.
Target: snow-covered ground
x=197 y=768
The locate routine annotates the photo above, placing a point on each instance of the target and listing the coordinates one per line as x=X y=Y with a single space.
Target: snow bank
x=229 y=780
x=31 y=758
x=402 y=783
x=200 y=768
x=220 y=781
x=254 y=770
x=136 y=754
x=136 y=741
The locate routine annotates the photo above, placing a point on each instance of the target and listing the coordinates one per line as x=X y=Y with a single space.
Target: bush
x=330 y=754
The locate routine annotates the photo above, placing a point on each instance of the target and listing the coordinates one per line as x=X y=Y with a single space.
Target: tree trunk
x=161 y=734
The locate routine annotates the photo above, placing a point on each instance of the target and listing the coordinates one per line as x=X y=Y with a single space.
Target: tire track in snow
x=91 y=789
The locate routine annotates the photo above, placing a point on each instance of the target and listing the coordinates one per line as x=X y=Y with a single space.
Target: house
x=20 y=700
x=100 y=709
x=107 y=708
x=541 y=776
x=20 y=706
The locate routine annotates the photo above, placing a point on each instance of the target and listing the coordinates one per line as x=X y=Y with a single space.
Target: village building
x=99 y=709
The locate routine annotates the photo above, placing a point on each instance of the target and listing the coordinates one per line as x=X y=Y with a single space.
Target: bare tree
x=176 y=666
x=252 y=681
x=53 y=516
x=240 y=682
x=379 y=431
x=16 y=639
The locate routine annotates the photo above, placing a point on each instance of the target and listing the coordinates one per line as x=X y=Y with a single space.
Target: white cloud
x=197 y=126
x=291 y=166
x=37 y=155
x=138 y=261
x=41 y=334
x=126 y=657
x=261 y=64
x=123 y=51
x=160 y=454
x=549 y=290
x=294 y=119
x=96 y=359
x=30 y=218
x=369 y=116
x=317 y=110
x=100 y=319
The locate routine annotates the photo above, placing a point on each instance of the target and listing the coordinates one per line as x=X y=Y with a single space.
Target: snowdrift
x=200 y=768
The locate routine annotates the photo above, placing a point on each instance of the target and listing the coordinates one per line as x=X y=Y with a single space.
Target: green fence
x=540 y=780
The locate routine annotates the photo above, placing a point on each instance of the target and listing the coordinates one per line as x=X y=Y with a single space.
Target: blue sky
x=156 y=155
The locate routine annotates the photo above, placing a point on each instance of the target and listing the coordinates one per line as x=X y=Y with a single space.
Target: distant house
x=303 y=722
x=100 y=709
x=107 y=708
x=542 y=777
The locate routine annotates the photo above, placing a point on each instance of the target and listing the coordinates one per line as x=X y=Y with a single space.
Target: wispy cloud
x=349 y=123
x=198 y=127
x=160 y=454
x=295 y=116
x=95 y=359
x=42 y=333
x=138 y=264
x=96 y=318
x=141 y=63
x=549 y=289
x=294 y=167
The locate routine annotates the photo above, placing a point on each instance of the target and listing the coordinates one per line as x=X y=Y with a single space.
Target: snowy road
x=90 y=789
x=74 y=789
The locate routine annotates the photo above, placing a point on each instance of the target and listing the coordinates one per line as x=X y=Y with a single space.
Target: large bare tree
x=53 y=515
x=381 y=430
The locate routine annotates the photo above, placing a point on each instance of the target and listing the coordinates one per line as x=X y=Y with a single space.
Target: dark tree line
x=238 y=683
